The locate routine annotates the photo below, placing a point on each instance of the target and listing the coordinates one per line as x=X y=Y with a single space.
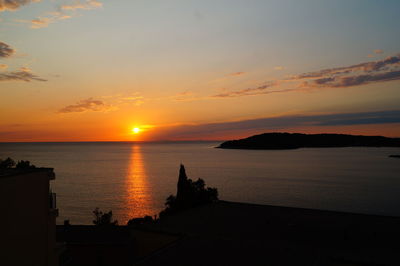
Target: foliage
x=189 y=194
x=103 y=219
x=24 y=165
x=10 y=163
x=7 y=163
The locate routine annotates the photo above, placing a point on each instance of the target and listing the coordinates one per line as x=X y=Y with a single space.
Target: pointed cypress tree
x=182 y=184
x=189 y=194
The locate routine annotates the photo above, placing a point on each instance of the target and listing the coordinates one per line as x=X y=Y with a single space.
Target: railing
x=52 y=200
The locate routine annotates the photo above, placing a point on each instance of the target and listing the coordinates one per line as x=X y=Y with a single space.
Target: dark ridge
x=278 y=141
x=394 y=156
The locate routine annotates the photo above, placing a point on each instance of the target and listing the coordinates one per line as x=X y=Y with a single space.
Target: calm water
x=134 y=179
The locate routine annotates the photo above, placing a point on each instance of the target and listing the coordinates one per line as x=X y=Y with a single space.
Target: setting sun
x=135 y=130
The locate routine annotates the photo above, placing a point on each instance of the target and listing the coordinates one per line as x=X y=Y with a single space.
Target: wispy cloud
x=380 y=65
x=86 y=105
x=6 y=50
x=65 y=11
x=236 y=74
x=387 y=69
x=89 y=4
x=250 y=91
x=40 y=22
x=279 y=68
x=13 y=5
x=229 y=76
x=184 y=96
x=378 y=51
x=125 y=99
x=23 y=74
x=44 y=21
x=357 y=80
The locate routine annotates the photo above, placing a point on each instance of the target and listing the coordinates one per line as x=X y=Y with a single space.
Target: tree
x=189 y=194
x=103 y=219
x=24 y=165
x=7 y=163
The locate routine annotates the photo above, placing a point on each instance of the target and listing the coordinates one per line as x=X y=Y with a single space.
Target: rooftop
x=8 y=172
x=229 y=233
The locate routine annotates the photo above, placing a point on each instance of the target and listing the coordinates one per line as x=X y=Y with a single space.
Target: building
x=92 y=245
x=28 y=217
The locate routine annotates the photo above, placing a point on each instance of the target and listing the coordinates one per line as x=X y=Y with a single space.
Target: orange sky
x=91 y=70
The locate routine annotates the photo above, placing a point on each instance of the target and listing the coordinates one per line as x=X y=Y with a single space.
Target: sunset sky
x=93 y=70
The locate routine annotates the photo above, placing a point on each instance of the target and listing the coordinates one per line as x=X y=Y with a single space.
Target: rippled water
x=134 y=179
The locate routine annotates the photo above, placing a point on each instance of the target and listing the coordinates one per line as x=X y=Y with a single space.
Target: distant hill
x=276 y=141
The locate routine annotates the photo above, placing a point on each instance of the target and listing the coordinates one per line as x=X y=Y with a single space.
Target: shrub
x=102 y=219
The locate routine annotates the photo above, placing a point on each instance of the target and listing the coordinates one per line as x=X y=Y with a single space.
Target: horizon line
x=113 y=141
x=180 y=141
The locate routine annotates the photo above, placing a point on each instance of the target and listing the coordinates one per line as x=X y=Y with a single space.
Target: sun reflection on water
x=139 y=201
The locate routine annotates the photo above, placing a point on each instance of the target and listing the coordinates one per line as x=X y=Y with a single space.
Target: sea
x=134 y=179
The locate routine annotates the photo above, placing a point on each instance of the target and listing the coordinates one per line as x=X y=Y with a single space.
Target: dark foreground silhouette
x=276 y=141
x=103 y=219
x=229 y=233
x=189 y=194
x=198 y=229
x=9 y=163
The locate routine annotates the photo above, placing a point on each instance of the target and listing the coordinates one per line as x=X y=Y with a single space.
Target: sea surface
x=134 y=179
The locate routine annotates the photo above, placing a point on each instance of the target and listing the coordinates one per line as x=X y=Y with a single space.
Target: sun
x=136 y=130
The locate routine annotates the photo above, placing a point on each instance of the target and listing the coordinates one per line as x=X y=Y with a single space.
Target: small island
x=279 y=141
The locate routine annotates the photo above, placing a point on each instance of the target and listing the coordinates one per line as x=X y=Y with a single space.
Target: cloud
x=24 y=74
x=387 y=69
x=236 y=74
x=368 y=118
x=6 y=50
x=279 y=68
x=13 y=5
x=376 y=51
x=44 y=21
x=392 y=61
x=251 y=91
x=38 y=23
x=86 y=105
x=89 y=4
x=279 y=123
x=184 y=96
x=66 y=11
x=125 y=99
x=136 y=100
x=349 y=81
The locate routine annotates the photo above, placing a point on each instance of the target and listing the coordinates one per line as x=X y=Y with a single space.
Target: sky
x=94 y=70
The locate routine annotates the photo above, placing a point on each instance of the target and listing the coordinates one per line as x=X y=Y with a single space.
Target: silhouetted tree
x=7 y=163
x=103 y=218
x=189 y=194
x=171 y=201
x=24 y=165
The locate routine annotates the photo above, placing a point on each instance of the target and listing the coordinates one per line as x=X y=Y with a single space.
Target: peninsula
x=277 y=141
